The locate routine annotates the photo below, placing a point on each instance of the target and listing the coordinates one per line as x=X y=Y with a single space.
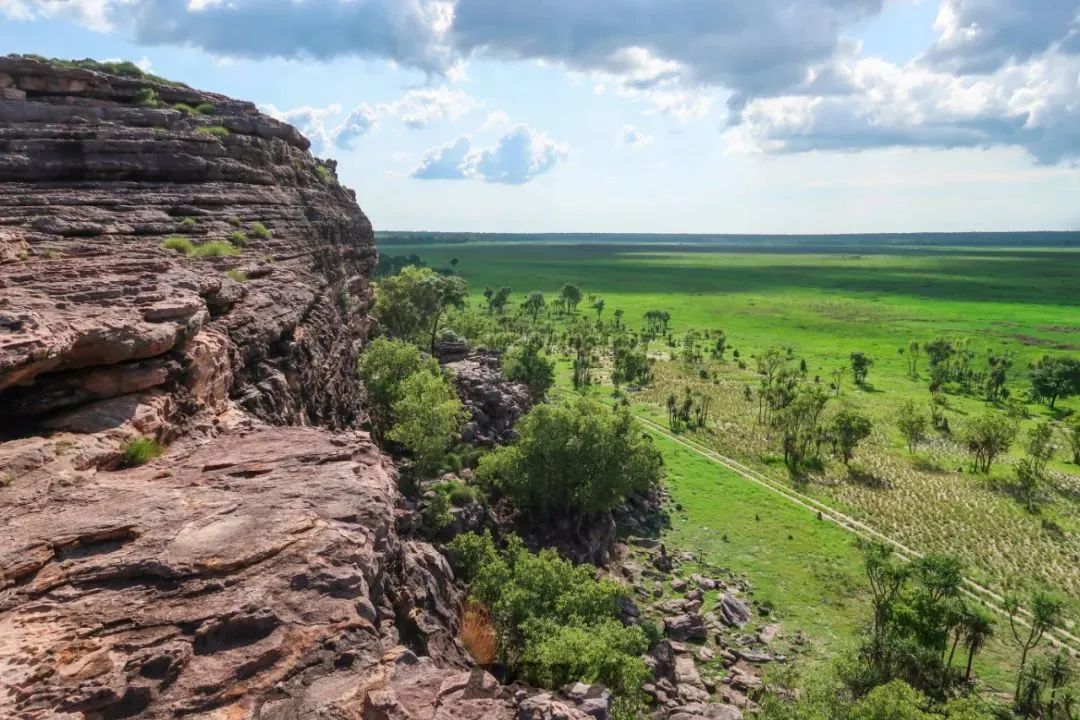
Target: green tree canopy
x=410 y=305
x=427 y=417
x=525 y=363
x=384 y=365
x=573 y=458
x=1055 y=378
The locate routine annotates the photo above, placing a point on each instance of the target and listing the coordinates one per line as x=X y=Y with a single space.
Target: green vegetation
x=200 y=109
x=554 y=622
x=238 y=238
x=179 y=244
x=233 y=221
x=187 y=224
x=411 y=304
x=427 y=418
x=219 y=248
x=576 y=459
x=147 y=97
x=139 y=451
x=326 y=175
x=952 y=332
x=217 y=131
x=238 y=275
x=259 y=230
x=411 y=402
x=526 y=363
x=121 y=68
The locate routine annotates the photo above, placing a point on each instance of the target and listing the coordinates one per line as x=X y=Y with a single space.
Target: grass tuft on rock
x=180 y=244
x=139 y=452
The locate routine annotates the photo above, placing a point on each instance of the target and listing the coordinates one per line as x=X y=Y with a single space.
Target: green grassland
x=826 y=304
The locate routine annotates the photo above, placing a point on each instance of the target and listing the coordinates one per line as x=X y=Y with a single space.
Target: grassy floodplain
x=824 y=303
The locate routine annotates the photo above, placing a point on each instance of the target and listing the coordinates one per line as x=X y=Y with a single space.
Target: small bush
x=259 y=230
x=238 y=238
x=478 y=634
x=187 y=223
x=213 y=249
x=326 y=174
x=238 y=275
x=180 y=244
x=204 y=108
x=234 y=221
x=185 y=108
x=147 y=97
x=216 y=130
x=436 y=517
x=139 y=452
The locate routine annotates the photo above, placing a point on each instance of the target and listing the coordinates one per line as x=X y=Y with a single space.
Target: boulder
x=732 y=611
x=688 y=626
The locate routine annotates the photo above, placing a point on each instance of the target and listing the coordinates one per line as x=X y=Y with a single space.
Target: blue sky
x=638 y=115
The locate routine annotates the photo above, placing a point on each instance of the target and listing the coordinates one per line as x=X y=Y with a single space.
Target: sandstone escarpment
x=93 y=308
x=254 y=569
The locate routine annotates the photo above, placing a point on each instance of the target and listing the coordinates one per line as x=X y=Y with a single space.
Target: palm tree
x=1046 y=612
x=978 y=627
x=1058 y=674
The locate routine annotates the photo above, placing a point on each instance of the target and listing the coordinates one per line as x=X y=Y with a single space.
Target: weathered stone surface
x=254 y=570
x=732 y=611
x=213 y=576
x=688 y=626
x=494 y=404
x=90 y=187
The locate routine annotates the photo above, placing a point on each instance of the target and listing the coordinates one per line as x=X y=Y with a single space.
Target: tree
x=497 y=299
x=618 y=318
x=860 y=367
x=410 y=305
x=534 y=304
x=1047 y=612
x=630 y=364
x=383 y=367
x=598 y=305
x=894 y=700
x=986 y=437
x=913 y=354
x=1031 y=471
x=570 y=297
x=978 y=627
x=1072 y=437
x=525 y=363
x=572 y=459
x=1055 y=378
x=912 y=424
x=848 y=429
x=427 y=418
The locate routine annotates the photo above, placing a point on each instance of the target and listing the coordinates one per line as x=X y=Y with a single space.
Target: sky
x=688 y=116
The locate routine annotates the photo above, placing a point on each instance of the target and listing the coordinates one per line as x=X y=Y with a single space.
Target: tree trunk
x=970 y=660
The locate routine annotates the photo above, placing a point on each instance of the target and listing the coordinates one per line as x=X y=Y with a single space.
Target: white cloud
x=357 y=123
x=629 y=136
x=1035 y=105
x=519 y=156
x=452 y=161
x=311 y=121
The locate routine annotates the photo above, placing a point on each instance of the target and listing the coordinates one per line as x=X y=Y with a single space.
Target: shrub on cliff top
x=147 y=97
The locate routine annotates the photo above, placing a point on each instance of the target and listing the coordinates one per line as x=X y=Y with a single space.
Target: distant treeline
x=980 y=239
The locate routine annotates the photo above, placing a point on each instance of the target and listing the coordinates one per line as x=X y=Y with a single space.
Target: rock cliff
x=253 y=570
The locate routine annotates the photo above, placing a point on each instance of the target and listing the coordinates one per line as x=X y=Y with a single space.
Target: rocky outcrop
x=494 y=404
x=257 y=574
x=254 y=569
x=93 y=308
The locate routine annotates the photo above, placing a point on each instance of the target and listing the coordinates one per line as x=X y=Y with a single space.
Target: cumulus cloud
x=311 y=121
x=452 y=161
x=749 y=47
x=629 y=136
x=981 y=36
x=1033 y=105
x=518 y=157
x=416 y=109
x=409 y=32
